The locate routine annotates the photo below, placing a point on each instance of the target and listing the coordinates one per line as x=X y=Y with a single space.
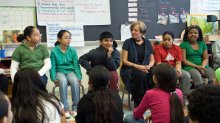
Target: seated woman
x=31 y=103
x=101 y=104
x=137 y=59
x=6 y=115
x=195 y=56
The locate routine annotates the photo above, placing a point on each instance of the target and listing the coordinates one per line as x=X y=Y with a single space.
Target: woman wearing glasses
x=65 y=69
x=31 y=54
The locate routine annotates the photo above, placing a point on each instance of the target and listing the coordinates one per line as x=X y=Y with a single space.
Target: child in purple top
x=164 y=101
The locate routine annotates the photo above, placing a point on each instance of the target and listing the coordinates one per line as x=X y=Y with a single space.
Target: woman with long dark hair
x=31 y=103
x=100 y=105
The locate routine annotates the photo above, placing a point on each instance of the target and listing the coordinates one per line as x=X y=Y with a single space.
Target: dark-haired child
x=31 y=103
x=164 y=101
x=107 y=55
x=172 y=54
x=195 y=56
x=6 y=115
x=65 y=69
x=31 y=54
x=100 y=104
x=204 y=104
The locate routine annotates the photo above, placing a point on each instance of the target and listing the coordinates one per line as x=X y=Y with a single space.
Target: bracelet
x=132 y=65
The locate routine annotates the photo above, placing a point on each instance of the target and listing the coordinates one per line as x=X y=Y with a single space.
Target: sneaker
x=67 y=113
x=73 y=113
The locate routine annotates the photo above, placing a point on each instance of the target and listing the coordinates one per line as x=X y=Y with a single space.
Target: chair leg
x=129 y=101
x=83 y=90
x=53 y=90
x=122 y=97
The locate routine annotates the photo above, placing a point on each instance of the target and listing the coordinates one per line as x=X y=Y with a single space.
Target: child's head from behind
x=164 y=75
x=168 y=39
x=106 y=39
x=204 y=104
x=63 y=38
x=31 y=34
x=26 y=83
x=99 y=77
x=5 y=109
x=193 y=33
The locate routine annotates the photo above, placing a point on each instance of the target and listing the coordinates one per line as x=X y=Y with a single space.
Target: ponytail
x=20 y=38
x=57 y=43
x=176 y=109
x=104 y=106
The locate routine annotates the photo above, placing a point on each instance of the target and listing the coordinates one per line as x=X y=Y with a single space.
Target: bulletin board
x=163 y=15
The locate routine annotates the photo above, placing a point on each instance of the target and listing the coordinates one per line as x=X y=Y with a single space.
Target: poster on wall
x=76 y=30
x=57 y=11
x=125 y=32
x=92 y=12
x=13 y=21
x=208 y=28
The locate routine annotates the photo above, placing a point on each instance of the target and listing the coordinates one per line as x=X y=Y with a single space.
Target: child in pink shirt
x=164 y=101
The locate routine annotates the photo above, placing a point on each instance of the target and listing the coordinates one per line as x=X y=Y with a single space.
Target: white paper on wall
x=75 y=29
x=93 y=12
x=57 y=11
x=125 y=32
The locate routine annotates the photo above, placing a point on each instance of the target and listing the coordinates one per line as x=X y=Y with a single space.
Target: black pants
x=3 y=83
x=141 y=82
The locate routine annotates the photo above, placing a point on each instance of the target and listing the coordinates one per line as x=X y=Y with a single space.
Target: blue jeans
x=129 y=118
x=63 y=85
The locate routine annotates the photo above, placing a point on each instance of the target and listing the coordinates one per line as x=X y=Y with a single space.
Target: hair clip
x=172 y=92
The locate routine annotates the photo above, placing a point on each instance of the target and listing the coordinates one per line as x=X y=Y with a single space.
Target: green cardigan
x=64 y=62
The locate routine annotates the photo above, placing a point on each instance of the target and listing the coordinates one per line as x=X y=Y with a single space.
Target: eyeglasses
x=66 y=38
x=39 y=35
